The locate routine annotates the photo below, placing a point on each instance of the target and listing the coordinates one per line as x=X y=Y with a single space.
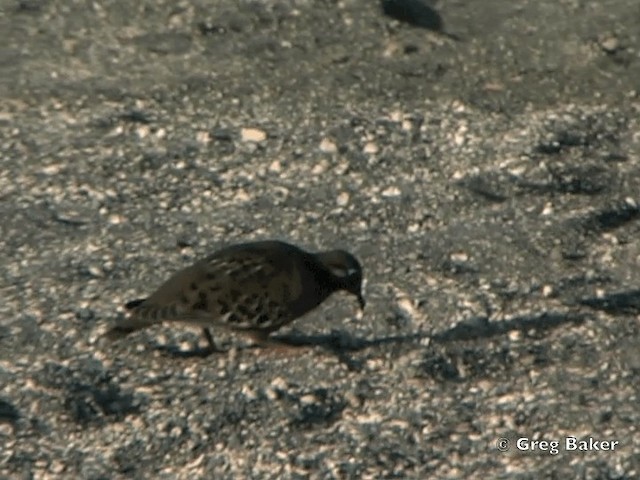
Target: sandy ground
x=487 y=176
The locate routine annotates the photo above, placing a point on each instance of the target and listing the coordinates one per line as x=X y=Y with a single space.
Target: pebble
x=391 y=192
x=328 y=146
x=343 y=199
x=371 y=148
x=254 y=135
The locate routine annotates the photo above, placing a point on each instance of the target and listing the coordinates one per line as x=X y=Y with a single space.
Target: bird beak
x=361 y=301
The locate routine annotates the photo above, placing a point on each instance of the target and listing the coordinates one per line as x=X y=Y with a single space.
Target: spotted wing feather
x=238 y=289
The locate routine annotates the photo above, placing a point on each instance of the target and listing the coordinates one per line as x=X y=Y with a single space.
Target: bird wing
x=238 y=289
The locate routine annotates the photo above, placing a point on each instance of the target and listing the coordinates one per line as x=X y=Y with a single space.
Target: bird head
x=345 y=270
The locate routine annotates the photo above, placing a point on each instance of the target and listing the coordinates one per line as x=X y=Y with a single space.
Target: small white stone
x=308 y=399
x=391 y=49
x=459 y=257
x=458 y=107
x=275 y=166
x=328 y=146
x=405 y=307
x=52 y=169
x=249 y=393
x=115 y=132
x=115 y=219
x=460 y=136
x=396 y=116
x=343 y=199
x=143 y=131
x=548 y=209
x=610 y=44
x=370 y=148
x=203 y=137
x=195 y=463
x=57 y=467
x=342 y=168
x=391 y=192
x=95 y=271
x=320 y=167
x=279 y=383
x=253 y=135
x=271 y=394
x=241 y=196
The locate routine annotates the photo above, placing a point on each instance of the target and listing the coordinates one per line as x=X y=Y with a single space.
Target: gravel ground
x=487 y=175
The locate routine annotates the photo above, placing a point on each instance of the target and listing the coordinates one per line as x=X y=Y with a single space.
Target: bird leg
x=212 y=347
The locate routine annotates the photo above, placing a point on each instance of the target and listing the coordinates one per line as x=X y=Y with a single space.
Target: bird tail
x=142 y=315
x=134 y=303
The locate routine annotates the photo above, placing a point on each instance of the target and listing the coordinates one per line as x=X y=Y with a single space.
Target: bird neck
x=326 y=277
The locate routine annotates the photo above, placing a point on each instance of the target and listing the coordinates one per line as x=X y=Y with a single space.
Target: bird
x=254 y=288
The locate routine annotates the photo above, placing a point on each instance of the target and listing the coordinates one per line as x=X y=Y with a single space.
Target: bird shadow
x=417 y=13
x=343 y=345
x=482 y=327
x=473 y=329
x=627 y=302
x=8 y=413
x=342 y=340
